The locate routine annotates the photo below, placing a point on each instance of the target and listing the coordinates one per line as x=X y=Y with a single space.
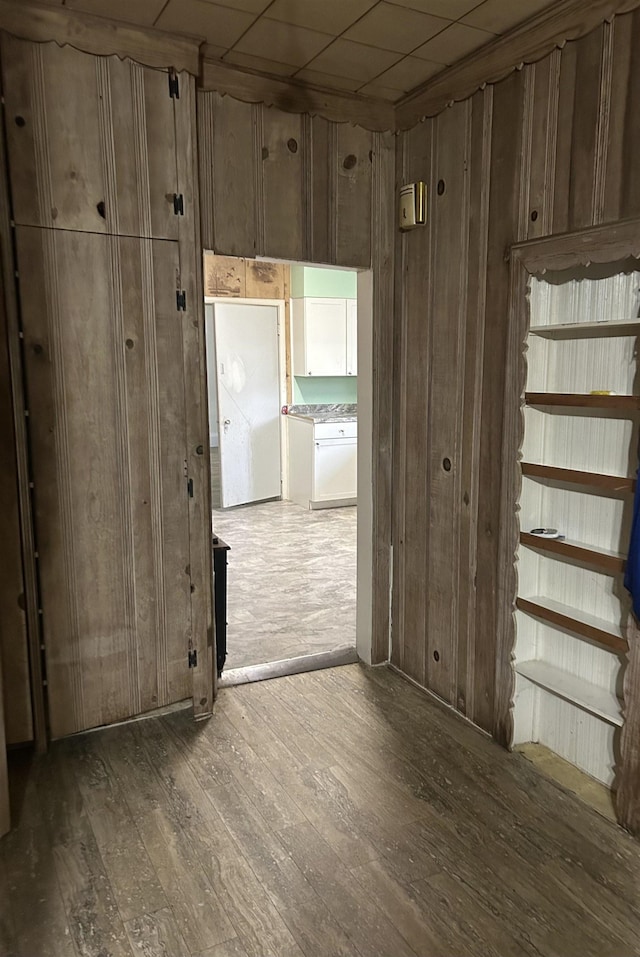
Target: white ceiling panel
x=328 y=16
x=395 y=28
x=219 y=25
x=454 y=43
x=282 y=41
x=141 y=12
x=355 y=60
x=381 y=48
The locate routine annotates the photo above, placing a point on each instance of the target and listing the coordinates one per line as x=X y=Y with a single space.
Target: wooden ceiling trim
x=535 y=39
x=100 y=36
x=293 y=97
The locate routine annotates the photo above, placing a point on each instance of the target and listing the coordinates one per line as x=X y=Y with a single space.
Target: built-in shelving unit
x=606 y=560
x=587 y=330
x=575 y=620
x=624 y=403
x=577 y=452
x=596 y=480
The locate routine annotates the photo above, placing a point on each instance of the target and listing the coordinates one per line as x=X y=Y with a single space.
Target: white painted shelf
x=588 y=330
x=577 y=691
x=575 y=620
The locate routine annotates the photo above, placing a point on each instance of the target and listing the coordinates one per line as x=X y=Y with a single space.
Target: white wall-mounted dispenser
x=413 y=205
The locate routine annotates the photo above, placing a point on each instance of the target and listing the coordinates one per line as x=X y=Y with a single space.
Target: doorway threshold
x=346 y=655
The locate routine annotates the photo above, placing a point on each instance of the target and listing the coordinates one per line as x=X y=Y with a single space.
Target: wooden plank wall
x=14 y=654
x=302 y=188
x=114 y=376
x=548 y=149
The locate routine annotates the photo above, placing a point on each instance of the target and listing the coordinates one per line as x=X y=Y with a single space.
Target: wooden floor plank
x=336 y=814
x=371 y=932
x=33 y=919
x=156 y=935
x=93 y=916
x=135 y=883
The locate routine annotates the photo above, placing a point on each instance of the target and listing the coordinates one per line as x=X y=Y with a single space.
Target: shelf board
x=600 y=558
x=613 y=483
x=574 y=620
x=588 y=330
x=575 y=400
x=585 y=695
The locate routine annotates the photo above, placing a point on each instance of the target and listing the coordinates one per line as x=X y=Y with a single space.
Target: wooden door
x=103 y=341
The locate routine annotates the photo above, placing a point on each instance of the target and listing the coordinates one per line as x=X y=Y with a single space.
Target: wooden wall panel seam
x=602 y=130
x=141 y=150
x=66 y=510
x=525 y=153
x=123 y=463
x=206 y=172
x=258 y=147
x=24 y=497
x=44 y=186
x=551 y=141
x=332 y=156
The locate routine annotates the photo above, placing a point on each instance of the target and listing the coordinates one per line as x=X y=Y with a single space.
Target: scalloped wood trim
x=535 y=39
x=100 y=36
x=292 y=97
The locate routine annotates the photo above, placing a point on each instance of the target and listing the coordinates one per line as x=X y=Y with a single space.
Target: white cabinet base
x=322 y=464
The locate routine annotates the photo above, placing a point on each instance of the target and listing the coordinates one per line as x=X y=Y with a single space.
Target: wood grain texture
x=97 y=35
x=196 y=421
x=5 y=809
x=528 y=43
x=14 y=651
x=286 y=95
x=87 y=131
x=494 y=859
x=628 y=791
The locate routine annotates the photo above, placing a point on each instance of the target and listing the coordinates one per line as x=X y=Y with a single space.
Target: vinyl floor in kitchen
x=291 y=581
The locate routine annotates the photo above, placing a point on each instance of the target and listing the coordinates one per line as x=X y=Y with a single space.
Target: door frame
x=282 y=374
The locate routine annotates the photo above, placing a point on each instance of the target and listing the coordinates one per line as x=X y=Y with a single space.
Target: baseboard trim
x=288 y=666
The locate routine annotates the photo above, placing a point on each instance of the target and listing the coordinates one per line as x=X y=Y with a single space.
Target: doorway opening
x=288 y=367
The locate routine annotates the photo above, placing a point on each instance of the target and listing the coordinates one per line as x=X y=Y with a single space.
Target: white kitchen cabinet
x=319 y=337
x=322 y=463
x=352 y=337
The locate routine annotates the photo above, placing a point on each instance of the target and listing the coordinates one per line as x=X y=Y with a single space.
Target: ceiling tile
x=498 y=16
x=449 y=9
x=354 y=60
x=259 y=63
x=317 y=78
x=142 y=12
x=409 y=73
x=395 y=28
x=250 y=6
x=218 y=25
x=453 y=44
x=329 y=16
x=381 y=92
x=212 y=52
x=285 y=43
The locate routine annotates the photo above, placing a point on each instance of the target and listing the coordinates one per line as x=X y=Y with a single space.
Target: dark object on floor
x=220 y=550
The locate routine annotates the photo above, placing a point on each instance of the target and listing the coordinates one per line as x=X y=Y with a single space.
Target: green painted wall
x=309 y=390
x=323 y=283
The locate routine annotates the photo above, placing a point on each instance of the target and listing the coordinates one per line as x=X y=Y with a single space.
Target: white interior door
x=247 y=374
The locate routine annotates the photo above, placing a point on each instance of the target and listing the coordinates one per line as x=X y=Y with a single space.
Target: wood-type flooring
x=340 y=813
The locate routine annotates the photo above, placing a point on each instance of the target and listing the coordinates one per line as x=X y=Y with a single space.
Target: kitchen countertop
x=346 y=412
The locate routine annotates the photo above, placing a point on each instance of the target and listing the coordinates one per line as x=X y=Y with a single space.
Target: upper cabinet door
x=319 y=337
x=352 y=337
x=91 y=141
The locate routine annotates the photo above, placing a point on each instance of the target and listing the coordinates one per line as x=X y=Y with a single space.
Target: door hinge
x=193 y=658
x=181 y=300
x=190 y=487
x=174 y=85
x=178 y=204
